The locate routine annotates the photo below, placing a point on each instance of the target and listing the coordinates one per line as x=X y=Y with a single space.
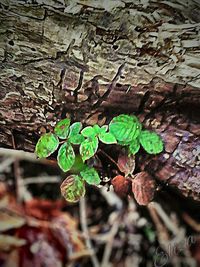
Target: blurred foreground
x=39 y=228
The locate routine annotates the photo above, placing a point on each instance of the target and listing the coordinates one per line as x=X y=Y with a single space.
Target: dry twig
x=192 y=223
x=84 y=227
x=17 y=172
x=109 y=244
x=41 y=180
x=23 y=155
x=6 y=163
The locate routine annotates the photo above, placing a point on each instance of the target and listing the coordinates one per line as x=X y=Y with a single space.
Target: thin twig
x=109 y=244
x=168 y=222
x=112 y=198
x=5 y=163
x=18 y=181
x=23 y=155
x=19 y=154
x=41 y=179
x=163 y=235
x=167 y=243
x=109 y=157
x=17 y=172
x=191 y=222
x=83 y=220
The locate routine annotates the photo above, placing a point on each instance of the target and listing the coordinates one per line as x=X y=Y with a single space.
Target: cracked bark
x=92 y=60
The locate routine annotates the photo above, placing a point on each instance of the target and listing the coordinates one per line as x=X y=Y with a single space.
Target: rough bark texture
x=91 y=60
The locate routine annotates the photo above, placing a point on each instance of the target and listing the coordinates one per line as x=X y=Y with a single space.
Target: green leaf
x=78 y=165
x=107 y=138
x=46 y=145
x=88 y=131
x=125 y=127
x=88 y=148
x=73 y=188
x=66 y=157
x=134 y=146
x=104 y=128
x=91 y=176
x=76 y=139
x=74 y=136
x=75 y=129
x=62 y=128
x=97 y=129
x=151 y=142
x=123 y=143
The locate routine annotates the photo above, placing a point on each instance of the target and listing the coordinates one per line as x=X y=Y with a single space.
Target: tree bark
x=91 y=60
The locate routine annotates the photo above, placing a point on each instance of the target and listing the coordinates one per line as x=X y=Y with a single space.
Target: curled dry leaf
x=126 y=163
x=143 y=188
x=121 y=185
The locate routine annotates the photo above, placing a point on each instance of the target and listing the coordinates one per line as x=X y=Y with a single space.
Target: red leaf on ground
x=43 y=209
x=121 y=185
x=143 y=188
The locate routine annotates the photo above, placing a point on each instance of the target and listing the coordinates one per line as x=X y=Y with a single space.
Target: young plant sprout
x=123 y=130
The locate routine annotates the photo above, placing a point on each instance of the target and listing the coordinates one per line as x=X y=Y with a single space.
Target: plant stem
x=109 y=157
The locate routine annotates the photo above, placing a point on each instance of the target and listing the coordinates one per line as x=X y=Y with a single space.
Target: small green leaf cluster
x=93 y=134
x=123 y=130
x=128 y=132
x=88 y=141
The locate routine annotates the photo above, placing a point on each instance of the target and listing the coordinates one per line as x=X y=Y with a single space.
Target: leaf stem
x=109 y=157
x=62 y=142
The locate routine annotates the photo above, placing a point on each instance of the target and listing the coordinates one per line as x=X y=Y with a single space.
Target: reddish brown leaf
x=50 y=240
x=126 y=164
x=121 y=185
x=43 y=209
x=143 y=188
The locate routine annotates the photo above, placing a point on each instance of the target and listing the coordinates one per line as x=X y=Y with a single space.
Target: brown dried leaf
x=121 y=185
x=126 y=163
x=143 y=188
